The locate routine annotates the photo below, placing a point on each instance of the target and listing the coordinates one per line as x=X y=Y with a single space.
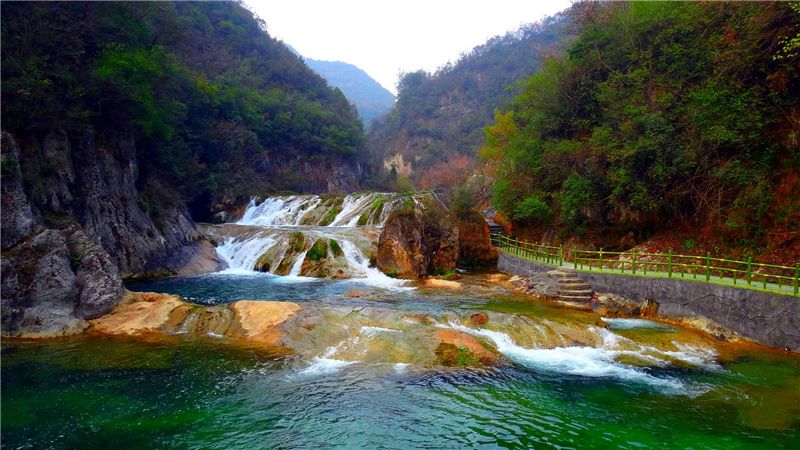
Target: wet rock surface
x=416 y=241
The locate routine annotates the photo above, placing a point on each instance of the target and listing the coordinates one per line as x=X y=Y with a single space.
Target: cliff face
x=73 y=225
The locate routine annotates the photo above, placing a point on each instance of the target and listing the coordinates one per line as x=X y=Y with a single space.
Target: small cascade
x=371 y=209
x=353 y=207
x=279 y=210
x=241 y=254
x=298 y=265
x=357 y=260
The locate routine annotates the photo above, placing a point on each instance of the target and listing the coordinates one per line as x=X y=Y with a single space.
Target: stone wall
x=772 y=319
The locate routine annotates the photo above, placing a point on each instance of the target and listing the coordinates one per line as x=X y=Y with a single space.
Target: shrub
x=533 y=209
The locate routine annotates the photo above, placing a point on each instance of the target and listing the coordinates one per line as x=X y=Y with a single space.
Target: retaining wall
x=772 y=319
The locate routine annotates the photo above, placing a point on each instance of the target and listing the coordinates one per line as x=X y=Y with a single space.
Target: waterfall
x=277 y=234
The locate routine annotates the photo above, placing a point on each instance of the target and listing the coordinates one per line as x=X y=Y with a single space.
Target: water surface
x=190 y=392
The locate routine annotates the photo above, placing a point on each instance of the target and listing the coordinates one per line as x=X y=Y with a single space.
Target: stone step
x=575 y=292
x=576 y=298
x=574 y=285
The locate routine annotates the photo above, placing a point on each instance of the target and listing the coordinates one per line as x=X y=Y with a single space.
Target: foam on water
x=321 y=365
x=370 y=275
x=375 y=330
x=243 y=254
x=631 y=324
x=279 y=210
x=588 y=361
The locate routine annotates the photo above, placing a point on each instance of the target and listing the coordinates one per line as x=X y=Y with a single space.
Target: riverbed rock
x=418 y=240
x=138 y=313
x=611 y=305
x=259 y=319
x=457 y=348
x=448 y=284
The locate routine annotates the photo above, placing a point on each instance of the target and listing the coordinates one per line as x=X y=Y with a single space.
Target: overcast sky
x=385 y=38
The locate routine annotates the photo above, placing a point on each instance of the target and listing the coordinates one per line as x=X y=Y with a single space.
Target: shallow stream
x=563 y=379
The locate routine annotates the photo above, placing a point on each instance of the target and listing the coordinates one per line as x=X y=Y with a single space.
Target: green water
x=183 y=392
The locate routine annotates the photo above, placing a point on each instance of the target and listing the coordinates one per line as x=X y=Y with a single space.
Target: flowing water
x=360 y=368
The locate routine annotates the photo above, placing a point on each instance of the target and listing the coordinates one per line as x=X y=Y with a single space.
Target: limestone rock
x=615 y=305
x=18 y=219
x=457 y=348
x=138 y=313
x=97 y=276
x=475 y=246
x=417 y=241
x=39 y=289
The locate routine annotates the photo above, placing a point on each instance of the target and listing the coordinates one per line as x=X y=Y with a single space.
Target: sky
x=388 y=37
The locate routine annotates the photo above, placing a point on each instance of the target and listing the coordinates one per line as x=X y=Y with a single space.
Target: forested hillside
x=370 y=98
x=434 y=131
x=214 y=103
x=123 y=123
x=661 y=116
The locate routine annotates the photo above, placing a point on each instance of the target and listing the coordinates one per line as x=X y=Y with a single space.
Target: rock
x=457 y=348
x=435 y=282
x=258 y=319
x=648 y=308
x=18 y=218
x=716 y=330
x=97 y=276
x=475 y=246
x=614 y=305
x=40 y=290
x=138 y=313
x=355 y=294
x=200 y=258
x=478 y=318
x=417 y=240
x=542 y=284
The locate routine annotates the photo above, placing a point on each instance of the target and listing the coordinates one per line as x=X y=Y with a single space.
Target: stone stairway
x=570 y=287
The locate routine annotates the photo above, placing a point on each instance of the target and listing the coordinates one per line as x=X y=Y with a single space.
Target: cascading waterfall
x=277 y=234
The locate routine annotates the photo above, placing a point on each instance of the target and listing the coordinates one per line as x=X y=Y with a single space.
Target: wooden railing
x=745 y=274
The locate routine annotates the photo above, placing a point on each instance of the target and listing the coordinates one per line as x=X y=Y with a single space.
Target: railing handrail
x=745 y=274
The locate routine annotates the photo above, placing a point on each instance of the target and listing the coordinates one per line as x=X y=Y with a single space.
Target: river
x=362 y=372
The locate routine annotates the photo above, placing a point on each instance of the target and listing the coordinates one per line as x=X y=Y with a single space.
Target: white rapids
x=276 y=236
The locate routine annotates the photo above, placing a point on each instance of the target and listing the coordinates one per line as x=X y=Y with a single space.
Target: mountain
x=436 y=127
x=123 y=122
x=671 y=119
x=371 y=99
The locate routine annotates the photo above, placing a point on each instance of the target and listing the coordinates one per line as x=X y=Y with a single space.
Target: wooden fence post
x=601 y=259
x=749 y=270
x=634 y=262
x=561 y=255
x=708 y=266
x=669 y=261
x=796 y=278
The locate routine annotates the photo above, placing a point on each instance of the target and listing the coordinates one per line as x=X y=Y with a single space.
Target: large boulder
x=475 y=245
x=418 y=240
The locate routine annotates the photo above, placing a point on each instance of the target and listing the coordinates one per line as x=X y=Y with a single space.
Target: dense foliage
x=660 y=114
x=439 y=117
x=214 y=103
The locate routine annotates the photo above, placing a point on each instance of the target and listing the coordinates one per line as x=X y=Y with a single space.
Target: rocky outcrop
x=74 y=224
x=475 y=246
x=146 y=312
x=418 y=240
